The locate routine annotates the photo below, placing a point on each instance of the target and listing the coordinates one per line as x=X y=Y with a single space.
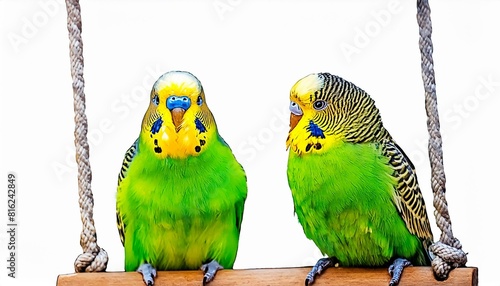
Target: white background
x=247 y=55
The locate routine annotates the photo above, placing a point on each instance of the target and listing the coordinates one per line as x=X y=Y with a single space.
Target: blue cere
x=178 y=102
x=157 y=125
x=199 y=125
x=315 y=130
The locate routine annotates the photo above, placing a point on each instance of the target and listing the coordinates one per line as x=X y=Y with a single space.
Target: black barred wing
x=407 y=195
x=129 y=156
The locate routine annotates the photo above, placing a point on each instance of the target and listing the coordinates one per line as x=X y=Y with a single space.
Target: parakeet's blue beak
x=178 y=106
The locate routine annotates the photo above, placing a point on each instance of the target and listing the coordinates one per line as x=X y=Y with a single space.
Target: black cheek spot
x=197 y=148
x=308 y=147
x=317 y=146
x=202 y=142
x=157 y=148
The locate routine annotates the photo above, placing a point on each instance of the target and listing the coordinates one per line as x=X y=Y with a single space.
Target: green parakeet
x=354 y=190
x=181 y=191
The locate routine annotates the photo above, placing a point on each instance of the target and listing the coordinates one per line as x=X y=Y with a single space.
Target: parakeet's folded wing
x=239 y=213
x=407 y=195
x=129 y=156
x=239 y=206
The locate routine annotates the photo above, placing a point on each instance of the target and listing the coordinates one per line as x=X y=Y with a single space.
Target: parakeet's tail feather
x=429 y=256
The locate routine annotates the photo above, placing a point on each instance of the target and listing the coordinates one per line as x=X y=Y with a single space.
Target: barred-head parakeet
x=181 y=191
x=355 y=192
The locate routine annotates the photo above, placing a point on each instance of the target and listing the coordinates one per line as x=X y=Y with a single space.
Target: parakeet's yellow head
x=178 y=122
x=327 y=110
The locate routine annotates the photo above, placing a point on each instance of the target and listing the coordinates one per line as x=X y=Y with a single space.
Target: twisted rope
x=448 y=250
x=93 y=258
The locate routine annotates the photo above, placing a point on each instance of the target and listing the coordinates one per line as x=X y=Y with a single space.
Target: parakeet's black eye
x=295 y=108
x=156 y=99
x=199 y=101
x=319 y=104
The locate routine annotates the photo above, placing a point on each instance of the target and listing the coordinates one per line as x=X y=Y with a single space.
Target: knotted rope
x=448 y=250
x=93 y=258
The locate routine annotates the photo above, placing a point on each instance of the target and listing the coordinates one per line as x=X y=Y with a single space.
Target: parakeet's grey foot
x=396 y=270
x=210 y=269
x=148 y=273
x=321 y=265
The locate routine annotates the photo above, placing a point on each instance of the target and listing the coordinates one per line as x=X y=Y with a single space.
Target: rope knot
x=448 y=252
x=91 y=261
x=446 y=258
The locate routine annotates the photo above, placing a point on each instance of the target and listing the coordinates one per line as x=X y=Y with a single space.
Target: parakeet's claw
x=321 y=265
x=396 y=270
x=210 y=269
x=148 y=273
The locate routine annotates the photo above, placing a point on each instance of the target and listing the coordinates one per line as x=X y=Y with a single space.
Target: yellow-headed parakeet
x=355 y=192
x=181 y=191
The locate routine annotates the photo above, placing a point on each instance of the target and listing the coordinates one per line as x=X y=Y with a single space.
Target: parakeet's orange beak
x=177 y=117
x=294 y=119
x=178 y=104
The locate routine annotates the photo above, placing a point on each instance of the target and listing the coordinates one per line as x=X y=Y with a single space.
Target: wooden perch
x=421 y=276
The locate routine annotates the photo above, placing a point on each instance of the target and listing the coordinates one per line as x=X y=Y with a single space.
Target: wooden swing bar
x=417 y=276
